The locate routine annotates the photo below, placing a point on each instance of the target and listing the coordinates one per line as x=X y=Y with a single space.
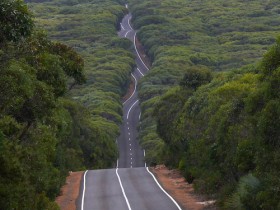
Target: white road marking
x=131 y=158
x=127 y=116
x=163 y=189
x=128 y=21
x=128 y=139
x=145 y=156
x=135 y=85
x=128 y=133
x=138 y=52
x=122 y=27
x=117 y=163
x=83 y=197
x=128 y=128
x=126 y=6
x=140 y=72
x=130 y=149
x=126 y=33
x=140 y=116
x=124 y=195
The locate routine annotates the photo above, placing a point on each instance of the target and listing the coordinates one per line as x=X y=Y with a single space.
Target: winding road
x=130 y=185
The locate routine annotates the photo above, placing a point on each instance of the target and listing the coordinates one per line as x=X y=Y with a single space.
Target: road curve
x=130 y=153
x=129 y=186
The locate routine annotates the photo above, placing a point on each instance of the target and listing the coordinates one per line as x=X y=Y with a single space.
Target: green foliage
x=196 y=77
x=243 y=198
x=220 y=129
x=15 y=20
x=44 y=133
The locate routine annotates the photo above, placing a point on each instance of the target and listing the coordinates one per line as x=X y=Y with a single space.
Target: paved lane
x=130 y=186
x=143 y=192
x=130 y=153
x=135 y=190
x=103 y=191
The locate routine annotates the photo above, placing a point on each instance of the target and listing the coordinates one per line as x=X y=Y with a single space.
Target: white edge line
x=126 y=33
x=124 y=195
x=138 y=52
x=128 y=21
x=133 y=90
x=83 y=197
x=140 y=116
x=163 y=189
x=140 y=72
x=122 y=27
x=117 y=163
x=144 y=153
x=130 y=109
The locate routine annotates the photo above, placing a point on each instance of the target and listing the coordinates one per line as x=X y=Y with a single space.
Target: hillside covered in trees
x=210 y=102
x=60 y=95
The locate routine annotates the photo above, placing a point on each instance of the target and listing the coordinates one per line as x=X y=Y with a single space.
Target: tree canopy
x=46 y=128
x=210 y=102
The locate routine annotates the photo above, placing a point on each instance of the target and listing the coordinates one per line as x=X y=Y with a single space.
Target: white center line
x=128 y=128
x=124 y=195
x=131 y=108
x=128 y=133
x=127 y=33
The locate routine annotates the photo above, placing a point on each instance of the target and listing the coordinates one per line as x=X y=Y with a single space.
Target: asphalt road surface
x=130 y=185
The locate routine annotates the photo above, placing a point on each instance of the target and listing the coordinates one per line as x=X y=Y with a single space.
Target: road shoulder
x=70 y=191
x=175 y=184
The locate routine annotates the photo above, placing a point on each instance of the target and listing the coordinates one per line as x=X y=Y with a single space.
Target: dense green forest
x=89 y=26
x=60 y=94
x=210 y=103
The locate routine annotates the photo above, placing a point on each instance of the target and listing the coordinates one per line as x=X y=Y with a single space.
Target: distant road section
x=130 y=186
x=131 y=154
